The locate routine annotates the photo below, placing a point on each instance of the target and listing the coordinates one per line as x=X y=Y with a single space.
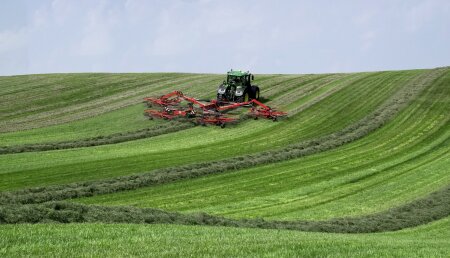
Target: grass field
x=173 y=240
x=353 y=146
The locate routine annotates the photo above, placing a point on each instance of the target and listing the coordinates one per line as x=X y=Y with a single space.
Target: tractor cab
x=239 y=78
x=238 y=87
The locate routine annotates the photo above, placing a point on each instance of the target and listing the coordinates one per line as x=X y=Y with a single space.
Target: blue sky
x=206 y=36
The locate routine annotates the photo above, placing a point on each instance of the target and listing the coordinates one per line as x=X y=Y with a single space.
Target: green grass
x=330 y=114
x=126 y=119
x=379 y=171
x=353 y=166
x=120 y=240
x=119 y=120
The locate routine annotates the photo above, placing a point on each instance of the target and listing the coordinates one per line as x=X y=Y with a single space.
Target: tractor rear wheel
x=255 y=92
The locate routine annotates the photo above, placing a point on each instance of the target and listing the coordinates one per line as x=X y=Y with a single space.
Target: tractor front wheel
x=243 y=98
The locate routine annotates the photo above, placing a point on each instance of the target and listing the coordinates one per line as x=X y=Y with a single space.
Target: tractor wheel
x=243 y=98
x=246 y=96
x=255 y=92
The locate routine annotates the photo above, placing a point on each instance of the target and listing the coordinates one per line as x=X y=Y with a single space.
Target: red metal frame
x=169 y=99
x=211 y=112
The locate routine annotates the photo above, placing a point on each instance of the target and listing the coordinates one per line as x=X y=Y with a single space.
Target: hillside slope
x=356 y=147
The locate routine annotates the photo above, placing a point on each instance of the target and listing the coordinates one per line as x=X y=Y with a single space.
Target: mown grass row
x=196 y=145
x=430 y=208
x=370 y=123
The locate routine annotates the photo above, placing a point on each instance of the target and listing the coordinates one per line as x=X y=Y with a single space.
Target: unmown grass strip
x=368 y=124
x=160 y=240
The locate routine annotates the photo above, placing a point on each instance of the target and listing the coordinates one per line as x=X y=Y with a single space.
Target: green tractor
x=238 y=87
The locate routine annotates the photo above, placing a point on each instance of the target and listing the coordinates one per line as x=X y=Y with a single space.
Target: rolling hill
x=365 y=153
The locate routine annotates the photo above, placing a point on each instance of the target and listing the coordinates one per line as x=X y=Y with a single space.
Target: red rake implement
x=204 y=113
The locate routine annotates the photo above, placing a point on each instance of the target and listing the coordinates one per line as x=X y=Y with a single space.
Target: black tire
x=254 y=92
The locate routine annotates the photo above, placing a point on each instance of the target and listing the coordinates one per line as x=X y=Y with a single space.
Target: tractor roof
x=237 y=73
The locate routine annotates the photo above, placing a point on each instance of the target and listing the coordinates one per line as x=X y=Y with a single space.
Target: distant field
x=353 y=145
